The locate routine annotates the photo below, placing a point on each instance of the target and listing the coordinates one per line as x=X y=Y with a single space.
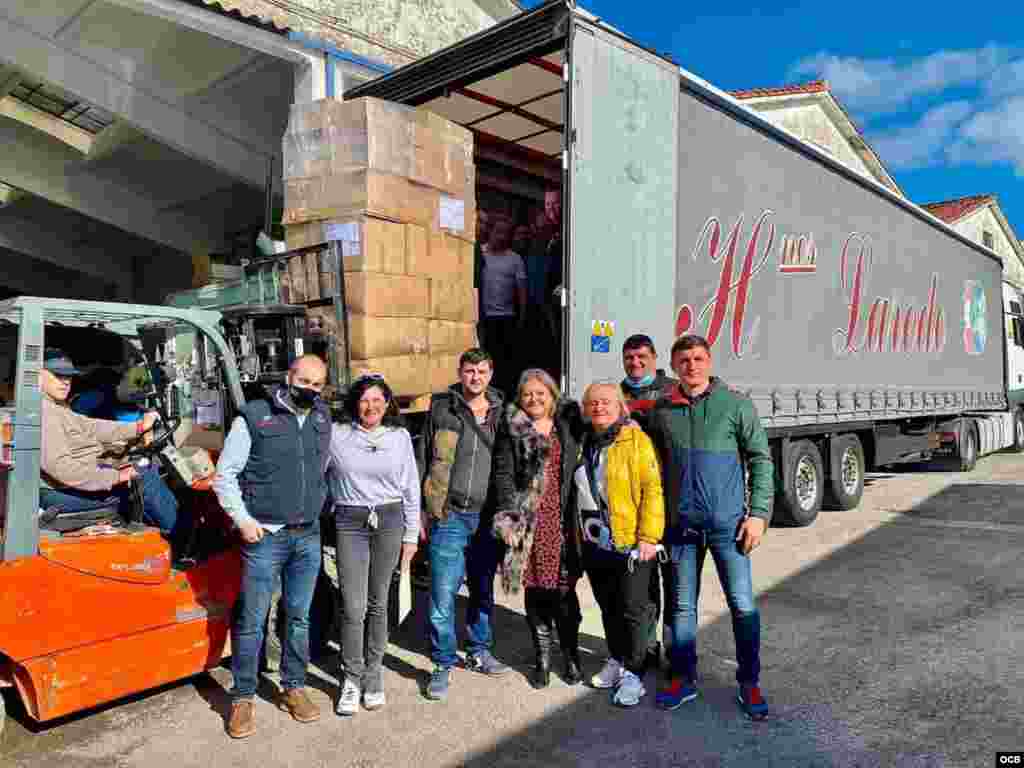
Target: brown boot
x=296 y=703
x=241 y=723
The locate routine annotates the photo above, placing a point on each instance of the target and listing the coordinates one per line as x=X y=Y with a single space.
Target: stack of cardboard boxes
x=396 y=187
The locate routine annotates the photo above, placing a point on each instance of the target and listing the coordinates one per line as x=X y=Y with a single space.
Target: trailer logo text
x=879 y=325
x=715 y=310
x=888 y=326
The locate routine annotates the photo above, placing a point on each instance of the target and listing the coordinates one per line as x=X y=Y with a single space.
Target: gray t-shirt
x=503 y=272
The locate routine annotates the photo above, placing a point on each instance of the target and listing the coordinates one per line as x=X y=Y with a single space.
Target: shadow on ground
x=901 y=649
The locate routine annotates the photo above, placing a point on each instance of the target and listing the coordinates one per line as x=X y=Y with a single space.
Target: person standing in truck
x=271 y=481
x=642 y=385
x=456 y=448
x=503 y=289
x=544 y=279
x=709 y=438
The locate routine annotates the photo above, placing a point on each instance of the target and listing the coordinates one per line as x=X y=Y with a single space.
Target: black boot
x=540 y=628
x=569 y=619
x=542 y=669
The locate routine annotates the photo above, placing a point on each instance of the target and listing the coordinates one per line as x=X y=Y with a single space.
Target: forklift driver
x=72 y=474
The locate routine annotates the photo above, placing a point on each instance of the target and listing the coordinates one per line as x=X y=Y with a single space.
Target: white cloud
x=922 y=143
x=992 y=136
x=1006 y=81
x=881 y=85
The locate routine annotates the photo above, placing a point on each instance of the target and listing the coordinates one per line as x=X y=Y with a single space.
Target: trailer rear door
x=620 y=261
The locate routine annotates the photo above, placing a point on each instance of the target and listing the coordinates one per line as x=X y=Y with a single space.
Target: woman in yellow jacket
x=622 y=517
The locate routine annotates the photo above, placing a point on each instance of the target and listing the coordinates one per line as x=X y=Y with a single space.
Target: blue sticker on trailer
x=601 y=332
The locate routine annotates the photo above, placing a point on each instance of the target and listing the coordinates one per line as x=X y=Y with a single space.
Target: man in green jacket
x=709 y=438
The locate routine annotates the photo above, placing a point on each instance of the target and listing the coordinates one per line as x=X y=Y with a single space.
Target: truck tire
x=969 y=446
x=805 y=485
x=846 y=473
x=1018 y=430
x=3 y=713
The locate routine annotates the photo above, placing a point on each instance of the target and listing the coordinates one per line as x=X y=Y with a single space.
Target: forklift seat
x=57 y=519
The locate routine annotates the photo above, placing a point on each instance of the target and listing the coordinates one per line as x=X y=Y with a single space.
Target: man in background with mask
x=642 y=386
x=644 y=381
x=271 y=482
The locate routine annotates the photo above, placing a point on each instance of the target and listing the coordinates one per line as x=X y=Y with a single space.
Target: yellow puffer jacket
x=636 y=504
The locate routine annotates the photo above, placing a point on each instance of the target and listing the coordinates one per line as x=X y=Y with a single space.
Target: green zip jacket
x=707 y=445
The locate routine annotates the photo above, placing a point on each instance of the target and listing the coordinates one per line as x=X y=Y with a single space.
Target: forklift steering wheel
x=163 y=433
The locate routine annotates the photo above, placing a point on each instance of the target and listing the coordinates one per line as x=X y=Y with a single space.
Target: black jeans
x=623 y=596
x=503 y=341
x=367 y=558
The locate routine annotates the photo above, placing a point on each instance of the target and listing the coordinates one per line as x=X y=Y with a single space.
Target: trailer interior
x=510 y=85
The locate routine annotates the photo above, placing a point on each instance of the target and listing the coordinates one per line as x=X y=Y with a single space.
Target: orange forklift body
x=95 y=618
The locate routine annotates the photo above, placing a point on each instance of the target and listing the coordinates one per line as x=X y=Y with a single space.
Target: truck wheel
x=805 y=486
x=1018 y=430
x=969 y=447
x=846 y=472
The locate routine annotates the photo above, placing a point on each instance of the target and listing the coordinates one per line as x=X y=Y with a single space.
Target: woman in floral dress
x=535 y=455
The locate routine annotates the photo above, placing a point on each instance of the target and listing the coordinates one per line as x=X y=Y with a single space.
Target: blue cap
x=59 y=364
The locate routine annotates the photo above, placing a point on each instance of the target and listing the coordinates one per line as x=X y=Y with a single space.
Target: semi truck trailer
x=867 y=332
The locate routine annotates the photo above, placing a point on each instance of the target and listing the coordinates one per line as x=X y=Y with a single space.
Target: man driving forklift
x=73 y=474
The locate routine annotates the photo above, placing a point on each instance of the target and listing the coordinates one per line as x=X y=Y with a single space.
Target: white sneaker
x=348 y=702
x=609 y=676
x=374 y=701
x=630 y=691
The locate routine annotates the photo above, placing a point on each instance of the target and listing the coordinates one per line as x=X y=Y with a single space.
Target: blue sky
x=937 y=90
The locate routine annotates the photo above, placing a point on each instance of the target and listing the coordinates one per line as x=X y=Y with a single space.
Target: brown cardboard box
x=386 y=336
x=452 y=299
x=447 y=337
x=379 y=244
x=434 y=253
x=417 y=249
x=330 y=136
x=304 y=234
x=311 y=264
x=352 y=193
x=297 y=279
x=443 y=371
x=370 y=293
x=406 y=375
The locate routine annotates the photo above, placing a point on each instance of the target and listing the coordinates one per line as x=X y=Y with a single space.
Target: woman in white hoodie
x=375 y=486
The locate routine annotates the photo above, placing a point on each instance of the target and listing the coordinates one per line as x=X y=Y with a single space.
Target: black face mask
x=303 y=398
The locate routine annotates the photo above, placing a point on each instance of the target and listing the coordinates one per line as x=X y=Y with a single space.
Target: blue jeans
x=460 y=546
x=293 y=556
x=682 y=577
x=159 y=506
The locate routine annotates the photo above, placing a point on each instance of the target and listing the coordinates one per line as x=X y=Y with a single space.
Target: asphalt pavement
x=892 y=636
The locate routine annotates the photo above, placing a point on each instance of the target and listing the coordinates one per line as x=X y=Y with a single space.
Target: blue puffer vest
x=283 y=482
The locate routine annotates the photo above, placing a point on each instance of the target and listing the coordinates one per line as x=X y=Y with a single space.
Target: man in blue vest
x=271 y=482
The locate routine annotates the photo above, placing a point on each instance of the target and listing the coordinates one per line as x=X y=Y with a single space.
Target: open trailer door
x=621 y=201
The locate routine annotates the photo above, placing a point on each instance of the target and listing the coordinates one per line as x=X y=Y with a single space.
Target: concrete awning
x=158 y=118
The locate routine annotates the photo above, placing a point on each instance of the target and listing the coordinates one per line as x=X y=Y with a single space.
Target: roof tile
x=954 y=210
x=814 y=86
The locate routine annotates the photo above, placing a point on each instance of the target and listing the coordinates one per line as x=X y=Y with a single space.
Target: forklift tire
x=846 y=473
x=3 y=712
x=800 y=501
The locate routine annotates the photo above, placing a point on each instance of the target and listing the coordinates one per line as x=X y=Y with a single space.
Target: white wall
x=984 y=220
x=812 y=124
